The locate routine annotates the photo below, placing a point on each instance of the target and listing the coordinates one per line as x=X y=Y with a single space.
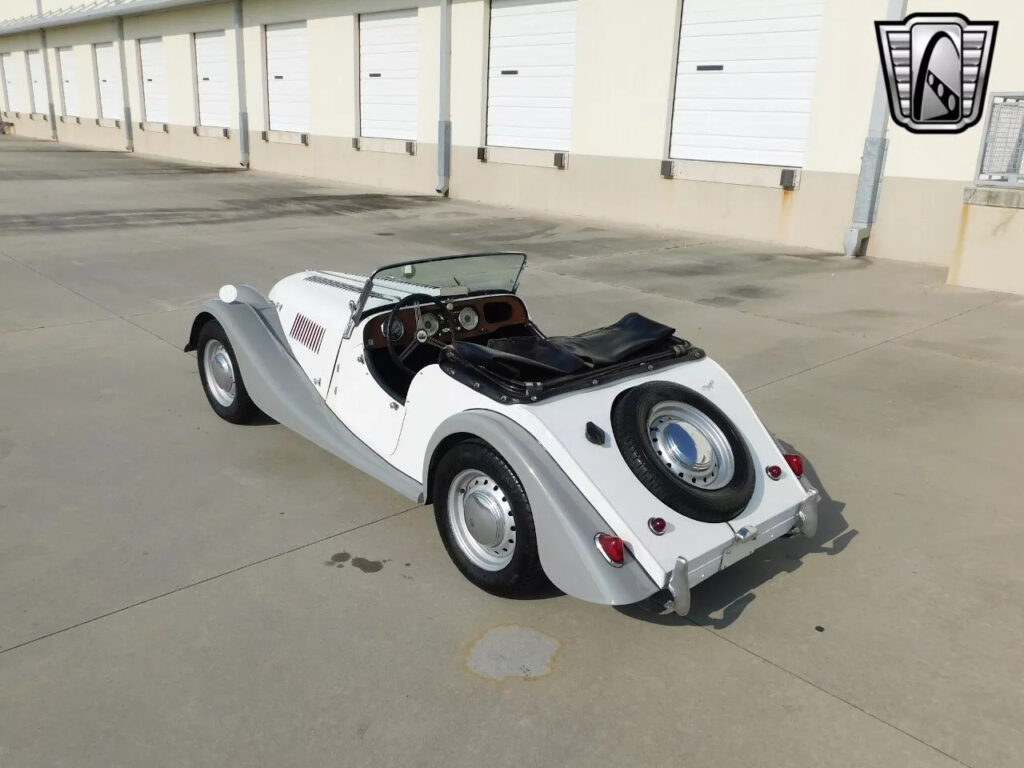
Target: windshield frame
x=359 y=306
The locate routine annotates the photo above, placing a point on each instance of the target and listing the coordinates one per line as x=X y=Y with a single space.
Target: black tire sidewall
x=523 y=575
x=630 y=414
x=242 y=409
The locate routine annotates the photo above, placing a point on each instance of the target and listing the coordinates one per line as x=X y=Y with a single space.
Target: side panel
x=280 y=388
x=565 y=521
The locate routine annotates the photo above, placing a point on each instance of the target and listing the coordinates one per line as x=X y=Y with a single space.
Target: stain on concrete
x=368 y=566
x=338 y=560
x=232 y=211
x=719 y=301
x=750 y=291
x=512 y=652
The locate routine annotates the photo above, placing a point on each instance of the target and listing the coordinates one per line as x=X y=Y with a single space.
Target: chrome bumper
x=806 y=524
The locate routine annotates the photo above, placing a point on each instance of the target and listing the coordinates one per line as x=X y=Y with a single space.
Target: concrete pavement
x=178 y=591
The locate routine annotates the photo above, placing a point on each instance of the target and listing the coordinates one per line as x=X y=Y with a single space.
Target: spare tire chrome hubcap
x=480 y=518
x=220 y=373
x=691 y=445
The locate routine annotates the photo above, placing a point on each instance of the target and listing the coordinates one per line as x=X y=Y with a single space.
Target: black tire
x=630 y=415
x=242 y=410
x=523 y=576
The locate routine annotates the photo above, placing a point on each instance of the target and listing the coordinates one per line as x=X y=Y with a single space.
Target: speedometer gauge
x=468 y=318
x=430 y=324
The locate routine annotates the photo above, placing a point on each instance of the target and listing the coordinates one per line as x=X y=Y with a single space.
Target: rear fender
x=565 y=522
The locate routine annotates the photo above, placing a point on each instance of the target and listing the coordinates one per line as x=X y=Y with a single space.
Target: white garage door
x=37 y=76
x=154 y=79
x=108 y=72
x=14 y=103
x=529 y=82
x=288 y=77
x=212 y=79
x=744 y=80
x=388 y=74
x=68 y=80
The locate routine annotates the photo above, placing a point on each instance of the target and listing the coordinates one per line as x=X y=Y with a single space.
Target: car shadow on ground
x=721 y=600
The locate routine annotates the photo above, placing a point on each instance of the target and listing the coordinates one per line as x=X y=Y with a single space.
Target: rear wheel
x=485 y=521
x=221 y=378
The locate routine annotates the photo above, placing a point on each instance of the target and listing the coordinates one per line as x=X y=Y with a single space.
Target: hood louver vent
x=307 y=333
x=320 y=280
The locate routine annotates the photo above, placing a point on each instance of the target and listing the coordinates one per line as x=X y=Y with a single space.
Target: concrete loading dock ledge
x=642 y=113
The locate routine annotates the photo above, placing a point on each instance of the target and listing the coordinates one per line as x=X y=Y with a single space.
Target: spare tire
x=684 y=450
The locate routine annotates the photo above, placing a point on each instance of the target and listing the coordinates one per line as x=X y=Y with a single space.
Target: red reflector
x=657 y=525
x=796 y=463
x=612 y=547
x=774 y=472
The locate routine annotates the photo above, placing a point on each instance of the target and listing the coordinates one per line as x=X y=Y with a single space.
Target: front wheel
x=485 y=521
x=222 y=381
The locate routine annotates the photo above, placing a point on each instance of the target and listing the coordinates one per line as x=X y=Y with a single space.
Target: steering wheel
x=420 y=335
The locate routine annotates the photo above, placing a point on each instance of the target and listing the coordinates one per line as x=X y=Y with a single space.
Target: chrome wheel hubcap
x=480 y=517
x=690 y=445
x=220 y=373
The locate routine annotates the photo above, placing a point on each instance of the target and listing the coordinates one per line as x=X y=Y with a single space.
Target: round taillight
x=774 y=472
x=657 y=525
x=612 y=547
x=796 y=463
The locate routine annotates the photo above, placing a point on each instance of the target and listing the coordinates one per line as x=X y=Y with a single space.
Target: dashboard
x=477 y=316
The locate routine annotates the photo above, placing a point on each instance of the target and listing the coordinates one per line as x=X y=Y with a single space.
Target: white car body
x=315 y=311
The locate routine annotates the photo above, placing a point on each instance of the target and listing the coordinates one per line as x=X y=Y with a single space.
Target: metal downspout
x=444 y=117
x=872 y=161
x=46 y=73
x=243 y=108
x=129 y=134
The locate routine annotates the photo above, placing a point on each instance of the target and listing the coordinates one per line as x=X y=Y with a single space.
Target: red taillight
x=612 y=548
x=774 y=472
x=657 y=525
x=796 y=463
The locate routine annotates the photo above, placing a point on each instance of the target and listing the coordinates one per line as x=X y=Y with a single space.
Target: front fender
x=564 y=520
x=281 y=389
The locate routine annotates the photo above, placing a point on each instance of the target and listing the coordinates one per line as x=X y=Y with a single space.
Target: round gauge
x=397 y=330
x=468 y=318
x=430 y=324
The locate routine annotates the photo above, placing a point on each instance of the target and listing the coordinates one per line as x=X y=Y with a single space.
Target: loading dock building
x=733 y=117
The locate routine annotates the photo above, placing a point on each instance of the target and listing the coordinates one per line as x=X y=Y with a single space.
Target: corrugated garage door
x=37 y=77
x=14 y=99
x=68 y=80
x=212 y=79
x=529 y=82
x=108 y=73
x=288 y=76
x=389 y=74
x=744 y=80
x=154 y=79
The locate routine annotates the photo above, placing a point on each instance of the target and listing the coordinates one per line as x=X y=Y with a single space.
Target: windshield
x=452 y=275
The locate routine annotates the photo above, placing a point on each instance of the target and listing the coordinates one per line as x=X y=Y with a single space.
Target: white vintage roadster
x=614 y=463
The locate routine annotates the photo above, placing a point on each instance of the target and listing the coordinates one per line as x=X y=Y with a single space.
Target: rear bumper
x=803 y=519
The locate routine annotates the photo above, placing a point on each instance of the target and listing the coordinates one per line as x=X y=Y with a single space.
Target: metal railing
x=999 y=162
